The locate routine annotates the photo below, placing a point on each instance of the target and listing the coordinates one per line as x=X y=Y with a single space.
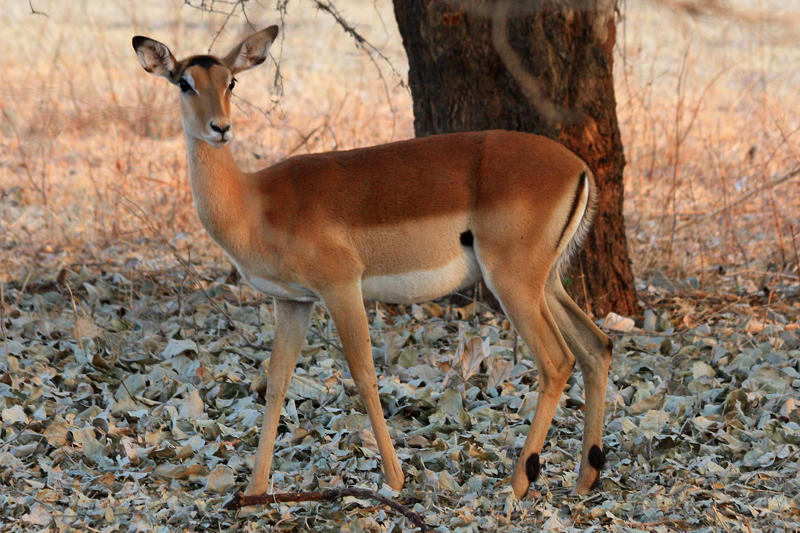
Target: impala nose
x=222 y=130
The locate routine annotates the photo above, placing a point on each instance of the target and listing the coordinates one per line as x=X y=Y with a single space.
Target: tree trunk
x=542 y=66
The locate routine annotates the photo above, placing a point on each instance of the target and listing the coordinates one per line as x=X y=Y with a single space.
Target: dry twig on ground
x=239 y=501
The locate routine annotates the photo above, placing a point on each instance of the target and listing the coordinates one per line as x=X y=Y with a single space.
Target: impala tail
x=581 y=215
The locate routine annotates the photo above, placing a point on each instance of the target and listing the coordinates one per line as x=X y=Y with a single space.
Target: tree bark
x=542 y=66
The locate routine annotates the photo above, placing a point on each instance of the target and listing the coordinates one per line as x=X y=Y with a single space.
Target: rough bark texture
x=543 y=66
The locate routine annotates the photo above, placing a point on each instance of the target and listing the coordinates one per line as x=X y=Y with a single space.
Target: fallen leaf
x=38 y=516
x=14 y=414
x=178 y=346
x=220 y=479
x=616 y=322
x=192 y=405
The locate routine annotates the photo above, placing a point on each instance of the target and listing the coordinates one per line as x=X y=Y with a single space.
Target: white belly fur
x=403 y=288
x=280 y=290
x=419 y=286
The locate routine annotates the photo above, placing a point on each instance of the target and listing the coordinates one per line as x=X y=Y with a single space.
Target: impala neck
x=216 y=186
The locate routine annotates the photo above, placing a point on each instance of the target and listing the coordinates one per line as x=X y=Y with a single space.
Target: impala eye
x=232 y=84
x=184 y=85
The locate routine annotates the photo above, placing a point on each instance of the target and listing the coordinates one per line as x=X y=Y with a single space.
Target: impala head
x=205 y=82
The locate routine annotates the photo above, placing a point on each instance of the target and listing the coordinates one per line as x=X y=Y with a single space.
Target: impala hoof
x=522 y=479
x=394 y=475
x=254 y=490
x=587 y=483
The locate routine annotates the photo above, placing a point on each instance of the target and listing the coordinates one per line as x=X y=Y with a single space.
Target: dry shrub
x=92 y=164
x=709 y=118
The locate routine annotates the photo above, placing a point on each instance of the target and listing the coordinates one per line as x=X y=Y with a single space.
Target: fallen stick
x=238 y=501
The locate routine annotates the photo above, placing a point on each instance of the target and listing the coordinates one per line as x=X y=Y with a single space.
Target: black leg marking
x=466 y=239
x=596 y=457
x=532 y=467
x=609 y=345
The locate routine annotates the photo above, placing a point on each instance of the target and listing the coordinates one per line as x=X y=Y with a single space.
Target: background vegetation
x=130 y=359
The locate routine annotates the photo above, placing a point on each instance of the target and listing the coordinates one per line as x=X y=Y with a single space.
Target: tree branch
x=367 y=47
x=238 y=501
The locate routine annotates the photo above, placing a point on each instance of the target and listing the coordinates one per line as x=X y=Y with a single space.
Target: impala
x=400 y=222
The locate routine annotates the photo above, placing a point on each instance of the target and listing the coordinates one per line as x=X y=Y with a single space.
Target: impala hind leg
x=291 y=325
x=346 y=306
x=526 y=307
x=592 y=348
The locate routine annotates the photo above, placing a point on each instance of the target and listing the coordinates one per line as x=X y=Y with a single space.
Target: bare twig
x=368 y=48
x=17 y=435
x=361 y=42
x=35 y=11
x=239 y=501
x=208 y=5
x=139 y=213
x=786 y=177
x=3 y=317
x=304 y=137
x=224 y=23
x=328 y=7
x=78 y=336
x=676 y=158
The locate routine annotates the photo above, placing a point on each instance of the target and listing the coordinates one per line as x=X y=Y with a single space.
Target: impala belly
x=419 y=260
x=421 y=285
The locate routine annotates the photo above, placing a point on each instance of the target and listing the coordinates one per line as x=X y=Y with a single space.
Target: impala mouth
x=218 y=140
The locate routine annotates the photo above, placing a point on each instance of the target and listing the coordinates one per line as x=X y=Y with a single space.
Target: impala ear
x=252 y=51
x=154 y=56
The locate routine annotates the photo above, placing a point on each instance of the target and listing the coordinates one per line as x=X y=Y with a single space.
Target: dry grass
x=92 y=148
x=91 y=145
x=709 y=115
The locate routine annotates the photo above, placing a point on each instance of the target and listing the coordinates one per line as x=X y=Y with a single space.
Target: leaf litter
x=134 y=404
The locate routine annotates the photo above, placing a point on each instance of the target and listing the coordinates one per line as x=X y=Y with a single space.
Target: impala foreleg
x=291 y=325
x=592 y=349
x=346 y=307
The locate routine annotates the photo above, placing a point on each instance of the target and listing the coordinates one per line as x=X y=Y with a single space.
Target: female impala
x=400 y=222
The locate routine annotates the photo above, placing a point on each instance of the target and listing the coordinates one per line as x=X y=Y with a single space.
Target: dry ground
x=130 y=362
